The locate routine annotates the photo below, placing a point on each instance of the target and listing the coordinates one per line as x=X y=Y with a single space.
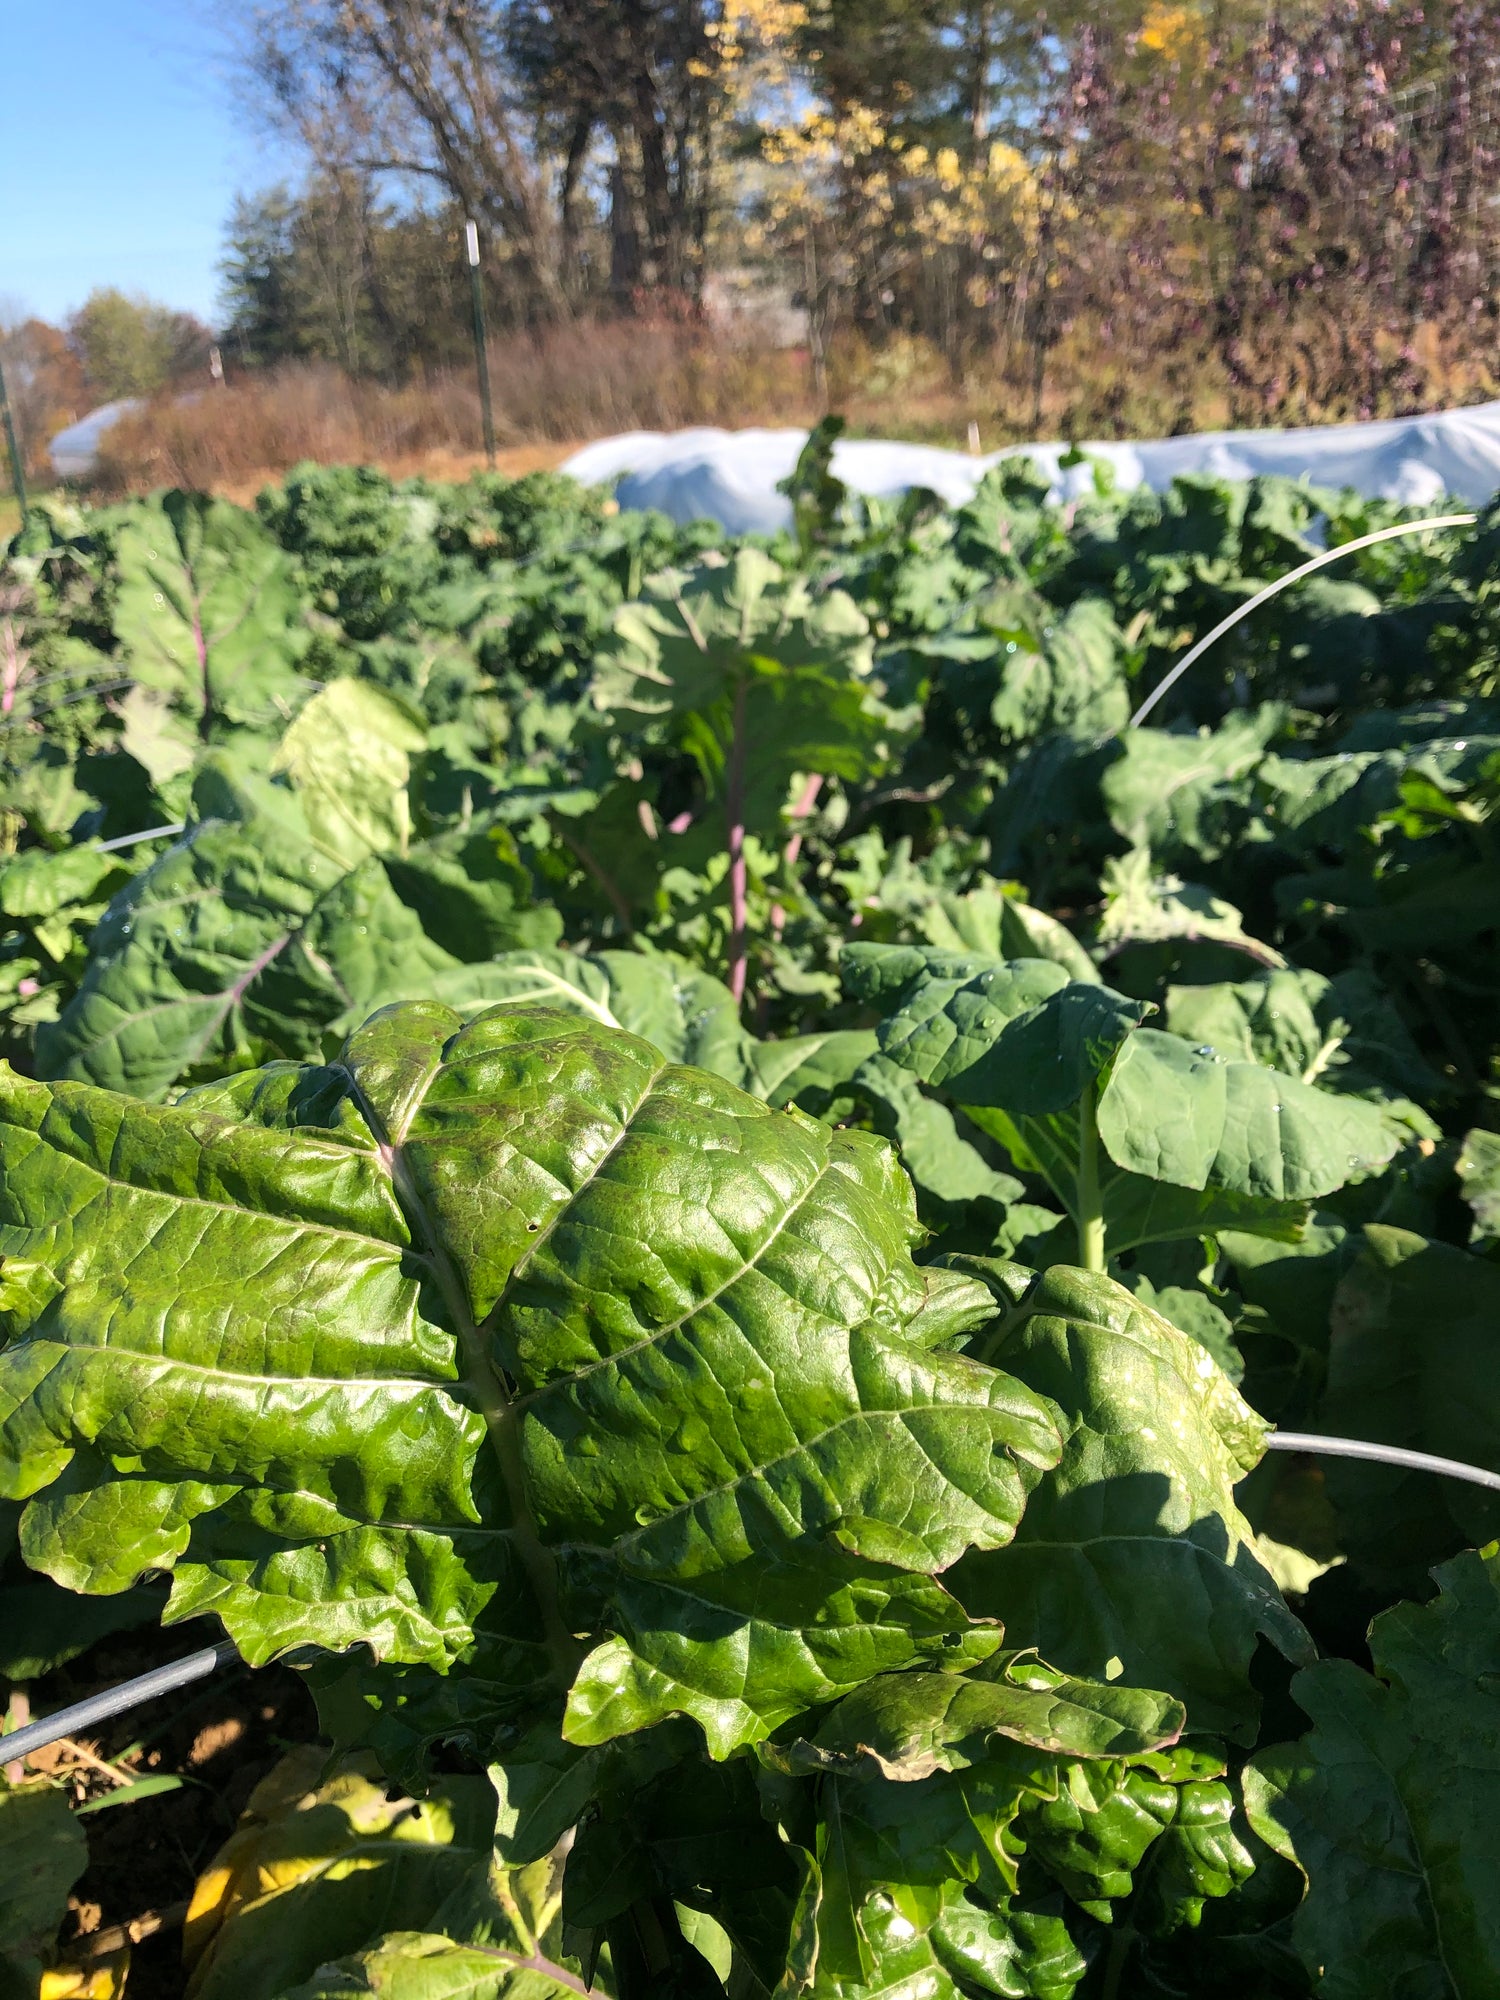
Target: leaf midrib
x=552 y=983
x=175 y=1198
x=389 y=1847
x=266 y=1380
x=661 y=1333
x=484 y=1982
x=798 y=1450
x=198 y=592
x=479 y=1376
x=222 y=1003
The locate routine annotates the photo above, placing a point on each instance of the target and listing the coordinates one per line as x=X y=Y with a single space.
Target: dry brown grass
x=230 y=439
x=438 y=465
x=556 y=391
x=550 y=391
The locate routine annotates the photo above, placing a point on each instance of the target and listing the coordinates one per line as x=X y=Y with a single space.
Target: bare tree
x=643 y=74
x=425 y=90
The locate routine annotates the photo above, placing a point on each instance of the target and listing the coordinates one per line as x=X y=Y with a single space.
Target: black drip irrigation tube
x=114 y=1701
x=198 y=1666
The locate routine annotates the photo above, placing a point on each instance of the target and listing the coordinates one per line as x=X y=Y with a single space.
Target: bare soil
x=220 y=1738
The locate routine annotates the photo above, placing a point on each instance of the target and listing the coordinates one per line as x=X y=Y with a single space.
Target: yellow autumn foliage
x=1176 y=32
x=848 y=172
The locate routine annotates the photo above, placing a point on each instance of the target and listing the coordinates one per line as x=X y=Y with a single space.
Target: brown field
x=550 y=391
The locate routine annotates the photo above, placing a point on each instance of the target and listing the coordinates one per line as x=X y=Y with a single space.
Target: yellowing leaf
x=104 y=1979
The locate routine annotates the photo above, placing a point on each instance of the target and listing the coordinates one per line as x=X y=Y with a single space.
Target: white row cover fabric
x=731 y=476
x=75 y=451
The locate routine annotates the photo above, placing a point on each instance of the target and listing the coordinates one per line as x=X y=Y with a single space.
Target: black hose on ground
x=114 y=1701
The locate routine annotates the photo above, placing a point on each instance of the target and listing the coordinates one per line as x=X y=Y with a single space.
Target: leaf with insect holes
x=328 y=1875
x=240 y=943
x=1189 y=795
x=1018 y=1033
x=1173 y=1113
x=348 y=756
x=950 y=1813
x=908 y=1726
x=1142 y=906
x=1478 y=1168
x=1343 y=1033
x=1190 y=1143
x=685 y=1012
x=320 y=1862
x=411 y=1965
x=990 y=923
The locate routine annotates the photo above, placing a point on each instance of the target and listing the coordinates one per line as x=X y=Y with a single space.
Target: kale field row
x=689 y=1175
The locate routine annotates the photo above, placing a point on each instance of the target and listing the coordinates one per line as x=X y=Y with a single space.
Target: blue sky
x=123 y=149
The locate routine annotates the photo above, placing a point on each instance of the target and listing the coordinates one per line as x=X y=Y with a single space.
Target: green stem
x=591 y=862
x=1115 y=1963
x=1324 y=1056
x=734 y=806
x=484 y=1382
x=1088 y=1203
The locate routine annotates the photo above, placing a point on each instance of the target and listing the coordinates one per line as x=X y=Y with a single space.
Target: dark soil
x=221 y=1737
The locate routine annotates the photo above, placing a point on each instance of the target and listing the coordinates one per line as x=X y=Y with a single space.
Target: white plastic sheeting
x=75 y=451
x=731 y=476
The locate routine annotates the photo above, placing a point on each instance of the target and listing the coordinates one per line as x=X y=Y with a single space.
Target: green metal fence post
x=481 y=345
x=17 y=469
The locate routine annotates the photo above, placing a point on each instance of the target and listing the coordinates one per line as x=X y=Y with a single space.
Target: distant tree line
x=1292 y=192
x=338 y=272
x=116 y=344
x=1297 y=200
